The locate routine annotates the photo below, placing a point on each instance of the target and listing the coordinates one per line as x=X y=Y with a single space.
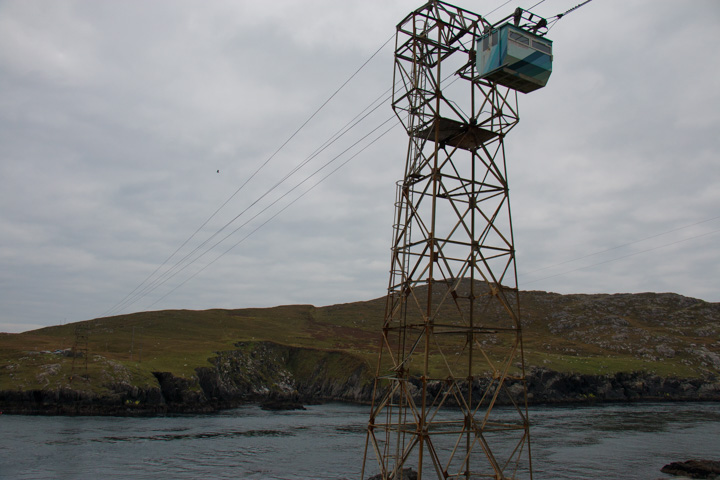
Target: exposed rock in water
x=694 y=469
x=407 y=474
x=277 y=405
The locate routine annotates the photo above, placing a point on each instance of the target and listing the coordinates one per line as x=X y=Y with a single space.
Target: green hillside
x=665 y=334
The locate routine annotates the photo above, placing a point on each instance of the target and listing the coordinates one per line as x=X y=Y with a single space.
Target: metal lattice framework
x=450 y=397
x=80 y=350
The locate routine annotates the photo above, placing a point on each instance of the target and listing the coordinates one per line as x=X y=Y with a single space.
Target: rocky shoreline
x=173 y=400
x=278 y=375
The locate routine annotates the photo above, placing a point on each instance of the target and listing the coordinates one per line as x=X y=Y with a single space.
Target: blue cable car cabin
x=515 y=58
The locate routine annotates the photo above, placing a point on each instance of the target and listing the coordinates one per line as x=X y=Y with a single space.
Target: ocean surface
x=619 y=441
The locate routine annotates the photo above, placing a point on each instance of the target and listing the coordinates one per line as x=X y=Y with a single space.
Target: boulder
x=694 y=469
x=277 y=405
x=406 y=474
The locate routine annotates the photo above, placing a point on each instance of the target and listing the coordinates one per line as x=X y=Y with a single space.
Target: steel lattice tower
x=80 y=349
x=450 y=397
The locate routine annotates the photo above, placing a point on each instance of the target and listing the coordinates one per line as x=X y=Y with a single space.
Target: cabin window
x=486 y=42
x=520 y=38
x=494 y=38
x=543 y=47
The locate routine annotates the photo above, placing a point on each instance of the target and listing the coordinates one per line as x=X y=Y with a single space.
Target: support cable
x=207 y=250
x=117 y=307
x=538 y=3
x=620 y=246
x=497 y=8
x=551 y=22
x=625 y=256
x=288 y=205
x=188 y=260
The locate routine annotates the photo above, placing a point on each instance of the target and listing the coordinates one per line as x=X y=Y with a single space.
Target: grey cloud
x=116 y=118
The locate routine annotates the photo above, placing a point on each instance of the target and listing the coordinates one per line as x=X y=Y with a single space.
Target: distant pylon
x=451 y=351
x=80 y=353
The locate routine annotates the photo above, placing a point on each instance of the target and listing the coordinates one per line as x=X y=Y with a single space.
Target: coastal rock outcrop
x=262 y=370
x=694 y=469
x=405 y=474
x=548 y=386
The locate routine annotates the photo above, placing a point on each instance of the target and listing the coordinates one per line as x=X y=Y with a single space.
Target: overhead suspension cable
x=171 y=272
x=530 y=8
x=573 y=8
x=621 y=246
x=289 y=204
x=497 y=8
x=140 y=293
x=121 y=304
x=177 y=269
x=553 y=20
x=624 y=256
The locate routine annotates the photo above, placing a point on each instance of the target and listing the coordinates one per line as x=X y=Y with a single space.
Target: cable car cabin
x=515 y=58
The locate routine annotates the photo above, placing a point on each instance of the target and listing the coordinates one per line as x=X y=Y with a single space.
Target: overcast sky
x=124 y=126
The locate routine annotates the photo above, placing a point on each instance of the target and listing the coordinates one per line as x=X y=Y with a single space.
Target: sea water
x=628 y=441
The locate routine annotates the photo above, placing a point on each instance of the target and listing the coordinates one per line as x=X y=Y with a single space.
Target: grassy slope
x=580 y=333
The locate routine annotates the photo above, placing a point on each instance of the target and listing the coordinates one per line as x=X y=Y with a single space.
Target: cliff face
x=257 y=371
x=262 y=371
